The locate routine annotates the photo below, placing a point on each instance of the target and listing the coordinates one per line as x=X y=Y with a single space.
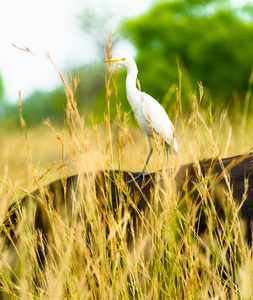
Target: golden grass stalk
x=87 y=255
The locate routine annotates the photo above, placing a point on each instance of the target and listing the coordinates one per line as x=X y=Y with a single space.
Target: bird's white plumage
x=148 y=113
x=157 y=118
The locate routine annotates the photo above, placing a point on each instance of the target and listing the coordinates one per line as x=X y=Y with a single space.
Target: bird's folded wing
x=157 y=118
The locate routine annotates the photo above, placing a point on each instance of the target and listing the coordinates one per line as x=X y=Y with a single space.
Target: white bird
x=149 y=114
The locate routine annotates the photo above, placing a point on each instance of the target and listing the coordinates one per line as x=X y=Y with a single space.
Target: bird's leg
x=168 y=159
x=146 y=163
x=149 y=155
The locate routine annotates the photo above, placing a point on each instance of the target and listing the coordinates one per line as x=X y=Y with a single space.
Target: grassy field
x=181 y=265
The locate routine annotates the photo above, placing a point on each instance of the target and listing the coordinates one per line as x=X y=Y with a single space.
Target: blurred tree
x=90 y=93
x=96 y=26
x=212 y=42
x=36 y=108
x=42 y=105
x=204 y=3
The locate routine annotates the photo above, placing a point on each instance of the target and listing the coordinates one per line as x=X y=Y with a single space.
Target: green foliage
x=42 y=105
x=90 y=94
x=36 y=108
x=212 y=44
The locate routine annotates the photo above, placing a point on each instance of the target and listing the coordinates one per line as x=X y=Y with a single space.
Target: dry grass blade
x=96 y=235
x=26 y=49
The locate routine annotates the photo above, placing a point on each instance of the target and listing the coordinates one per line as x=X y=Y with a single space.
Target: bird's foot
x=142 y=174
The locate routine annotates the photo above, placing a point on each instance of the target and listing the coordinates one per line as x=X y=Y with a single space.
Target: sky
x=52 y=26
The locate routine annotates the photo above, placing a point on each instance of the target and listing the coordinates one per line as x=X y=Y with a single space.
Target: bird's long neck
x=131 y=90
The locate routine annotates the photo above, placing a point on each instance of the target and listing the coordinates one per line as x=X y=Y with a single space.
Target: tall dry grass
x=79 y=265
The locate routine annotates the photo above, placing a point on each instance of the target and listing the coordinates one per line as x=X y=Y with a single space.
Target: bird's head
x=126 y=62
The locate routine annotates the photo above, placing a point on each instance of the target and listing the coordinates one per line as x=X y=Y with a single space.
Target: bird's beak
x=115 y=60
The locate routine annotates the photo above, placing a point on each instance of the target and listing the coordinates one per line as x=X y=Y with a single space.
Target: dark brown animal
x=211 y=185
x=116 y=192
x=225 y=180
